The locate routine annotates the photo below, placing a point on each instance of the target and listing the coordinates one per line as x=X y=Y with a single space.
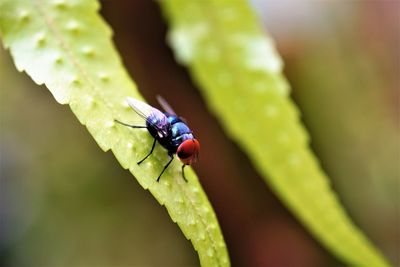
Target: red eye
x=188 y=151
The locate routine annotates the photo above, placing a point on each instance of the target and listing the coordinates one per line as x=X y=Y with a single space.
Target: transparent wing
x=153 y=116
x=142 y=109
x=164 y=104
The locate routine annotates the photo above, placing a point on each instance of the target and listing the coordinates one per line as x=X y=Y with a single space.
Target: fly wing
x=142 y=109
x=164 y=104
x=153 y=116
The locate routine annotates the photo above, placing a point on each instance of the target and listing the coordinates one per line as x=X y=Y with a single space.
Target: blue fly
x=170 y=130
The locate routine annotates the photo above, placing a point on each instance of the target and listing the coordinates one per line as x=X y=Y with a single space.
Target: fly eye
x=188 y=149
x=185 y=151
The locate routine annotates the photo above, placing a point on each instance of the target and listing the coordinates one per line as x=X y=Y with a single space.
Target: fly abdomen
x=158 y=126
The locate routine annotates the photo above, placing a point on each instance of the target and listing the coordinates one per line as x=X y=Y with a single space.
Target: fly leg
x=139 y=126
x=151 y=151
x=165 y=167
x=183 y=173
x=132 y=126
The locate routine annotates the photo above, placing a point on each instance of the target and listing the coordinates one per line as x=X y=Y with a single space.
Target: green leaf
x=240 y=74
x=67 y=46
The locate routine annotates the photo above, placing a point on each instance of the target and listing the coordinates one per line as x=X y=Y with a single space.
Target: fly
x=170 y=130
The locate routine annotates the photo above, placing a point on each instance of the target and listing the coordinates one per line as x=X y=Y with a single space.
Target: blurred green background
x=63 y=202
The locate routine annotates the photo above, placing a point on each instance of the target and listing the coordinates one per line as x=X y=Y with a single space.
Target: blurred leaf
x=240 y=73
x=66 y=46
